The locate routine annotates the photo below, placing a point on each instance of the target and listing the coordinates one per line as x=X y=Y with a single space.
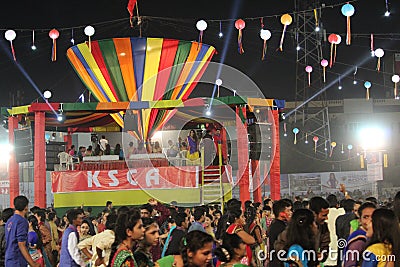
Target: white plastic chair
x=64 y=160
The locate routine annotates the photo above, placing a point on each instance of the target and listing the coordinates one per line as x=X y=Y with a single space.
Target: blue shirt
x=16 y=231
x=297 y=251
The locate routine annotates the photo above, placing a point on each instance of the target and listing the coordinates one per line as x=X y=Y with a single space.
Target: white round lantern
x=265 y=34
x=379 y=52
x=218 y=82
x=10 y=35
x=201 y=25
x=47 y=94
x=395 y=78
x=89 y=30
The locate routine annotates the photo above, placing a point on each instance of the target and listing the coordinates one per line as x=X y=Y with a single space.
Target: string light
x=72 y=37
x=354 y=76
x=387 y=13
x=220 y=34
x=33 y=47
x=340 y=85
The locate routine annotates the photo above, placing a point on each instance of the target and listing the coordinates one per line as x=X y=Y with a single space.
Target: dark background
x=176 y=19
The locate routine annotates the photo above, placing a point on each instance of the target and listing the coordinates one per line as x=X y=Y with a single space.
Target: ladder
x=212 y=190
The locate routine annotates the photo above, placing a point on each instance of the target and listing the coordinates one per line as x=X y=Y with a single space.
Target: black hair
x=108 y=203
x=6 y=214
x=267 y=208
x=180 y=218
x=226 y=251
x=297 y=205
x=117 y=149
x=124 y=221
x=317 y=204
x=194 y=241
x=386 y=230
x=73 y=214
x=250 y=214
x=233 y=211
x=122 y=209
x=52 y=215
x=280 y=206
x=198 y=213
x=348 y=205
x=299 y=230
x=41 y=214
x=396 y=205
x=209 y=216
x=217 y=212
x=364 y=206
x=111 y=220
x=35 y=225
x=372 y=199
x=147 y=207
x=91 y=232
x=332 y=200
x=266 y=201
x=20 y=203
x=247 y=204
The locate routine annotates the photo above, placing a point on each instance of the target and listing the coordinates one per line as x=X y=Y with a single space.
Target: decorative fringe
x=367 y=95
x=282 y=38
x=378 y=66
x=240 y=45
x=323 y=71
x=348 y=36
x=13 y=51
x=264 y=52
x=54 y=51
x=331 y=59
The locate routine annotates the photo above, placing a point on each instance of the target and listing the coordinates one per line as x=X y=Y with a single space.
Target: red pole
x=39 y=175
x=243 y=154
x=255 y=170
x=13 y=167
x=275 y=173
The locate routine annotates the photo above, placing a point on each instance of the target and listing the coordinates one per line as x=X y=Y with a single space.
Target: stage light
x=60 y=117
x=298 y=48
x=372 y=138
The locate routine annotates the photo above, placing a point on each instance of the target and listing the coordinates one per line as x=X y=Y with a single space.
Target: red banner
x=140 y=178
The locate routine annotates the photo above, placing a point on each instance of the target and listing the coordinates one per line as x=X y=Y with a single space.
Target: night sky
x=177 y=19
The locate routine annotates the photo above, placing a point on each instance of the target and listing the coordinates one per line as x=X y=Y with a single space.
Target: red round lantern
x=332 y=38
x=240 y=24
x=315 y=138
x=53 y=34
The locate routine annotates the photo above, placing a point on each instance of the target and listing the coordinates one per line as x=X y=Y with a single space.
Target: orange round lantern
x=286 y=20
x=240 y=24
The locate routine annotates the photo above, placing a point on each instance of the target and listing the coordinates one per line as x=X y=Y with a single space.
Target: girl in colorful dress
x=129 y=229
x=34 y=241
x=196 y=251
x=384 y=246
x=193 y=151
x=143 y=255
x=232 y=251
x=301 y=234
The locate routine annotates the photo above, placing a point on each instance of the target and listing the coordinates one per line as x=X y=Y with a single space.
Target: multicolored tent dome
x=141 y=69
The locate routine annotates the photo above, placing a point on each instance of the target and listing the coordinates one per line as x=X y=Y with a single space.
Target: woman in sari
x=143 y=255
x=129 y=229
x=193 y=151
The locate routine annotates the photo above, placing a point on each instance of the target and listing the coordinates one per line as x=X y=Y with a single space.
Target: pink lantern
x=334 y=40
x=315 y=139
x=240 y=24
x=324 y=64
x=10 y=36
x=54 y=34
x=309 y=70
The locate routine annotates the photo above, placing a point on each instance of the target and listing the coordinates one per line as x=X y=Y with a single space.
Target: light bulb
x=72 y=41
x=298 y=48
x=354 y=82
x=340 y=87
x=220 y=35
x=33 y=47
x=387 y=13
x=285 y=134
x=208 y=113
x=317 y=29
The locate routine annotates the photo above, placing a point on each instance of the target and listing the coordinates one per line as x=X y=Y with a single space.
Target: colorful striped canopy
x=141 y=69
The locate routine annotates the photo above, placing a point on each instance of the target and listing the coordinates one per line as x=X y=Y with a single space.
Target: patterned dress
x=123 y=257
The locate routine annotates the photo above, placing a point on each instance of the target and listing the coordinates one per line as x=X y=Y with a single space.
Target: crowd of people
x=286 y=232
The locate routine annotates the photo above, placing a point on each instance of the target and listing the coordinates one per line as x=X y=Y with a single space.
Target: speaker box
x=23 y=144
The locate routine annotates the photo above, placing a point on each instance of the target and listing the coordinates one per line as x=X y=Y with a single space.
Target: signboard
x=126 y=179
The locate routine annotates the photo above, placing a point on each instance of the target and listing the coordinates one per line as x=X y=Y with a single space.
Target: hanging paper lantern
x=332 y=38
x=286 y=20
x=379 y=53
x=315 y=139
x=54 y=34
x=201 y=25
x=10 y=36
x=240 y=24
x=367 y=85
x=333 y=145
x=324 y=64
x=265 y=35
x=89 y=32
x=350 y=147
x=218 y=82
x=309 y=70
x=395 y=79
x=295 y=131
x=348 y=11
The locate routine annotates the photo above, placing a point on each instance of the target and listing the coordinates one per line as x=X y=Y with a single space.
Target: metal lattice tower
x=313 y=117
